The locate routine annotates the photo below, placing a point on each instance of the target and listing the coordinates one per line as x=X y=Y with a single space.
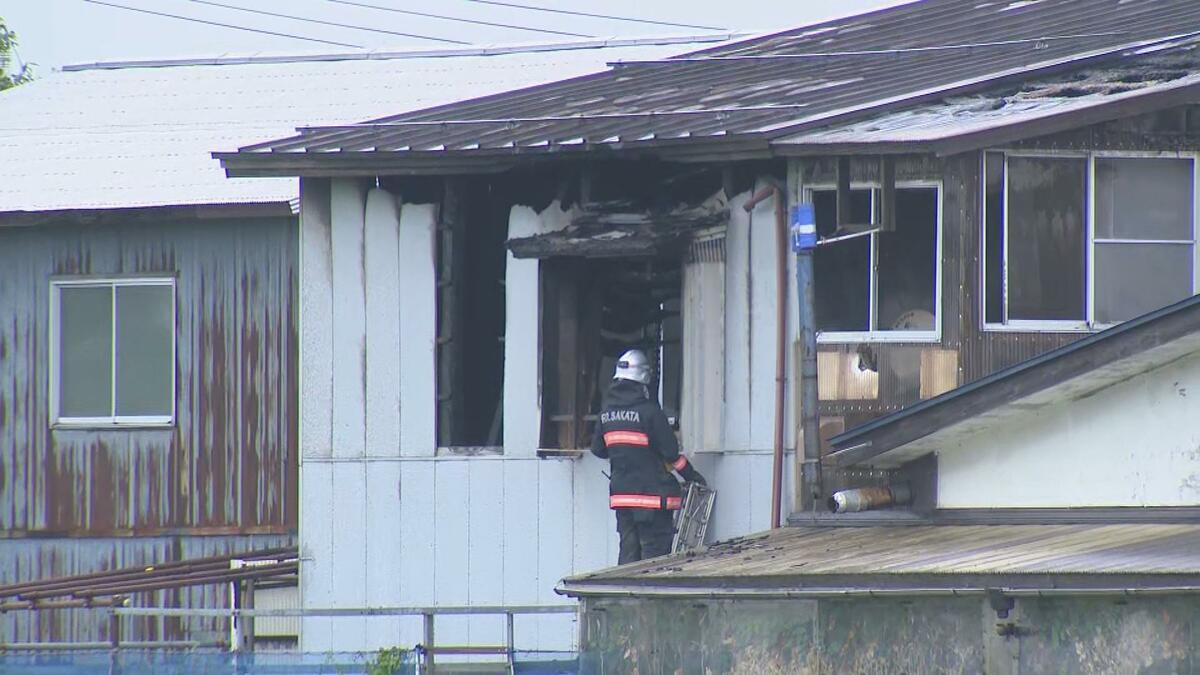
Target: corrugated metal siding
x=229 y=463
x=28 y=559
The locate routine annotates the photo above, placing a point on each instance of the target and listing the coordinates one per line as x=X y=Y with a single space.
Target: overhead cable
x=457 y=18
x=222 y=25
x=328 y=23
x=590 y=15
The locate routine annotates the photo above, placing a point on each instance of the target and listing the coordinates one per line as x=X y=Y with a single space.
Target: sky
x=54 y=33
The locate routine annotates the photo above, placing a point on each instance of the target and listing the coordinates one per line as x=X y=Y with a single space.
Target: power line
x=456 y=18
x=327 y=23
x=222 y=25
x=593 y=16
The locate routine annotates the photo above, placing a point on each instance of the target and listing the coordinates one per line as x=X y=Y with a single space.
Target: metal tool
x=691 y=521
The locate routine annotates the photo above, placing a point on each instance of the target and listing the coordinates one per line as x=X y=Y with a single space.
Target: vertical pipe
x=781 y=292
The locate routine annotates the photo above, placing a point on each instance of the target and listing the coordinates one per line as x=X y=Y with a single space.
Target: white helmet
x=633 y=365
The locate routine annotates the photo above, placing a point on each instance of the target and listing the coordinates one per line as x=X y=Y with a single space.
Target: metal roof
x=140 y=134
x=819 y=560
x=942 y=126
x=1071 y=371
x=736 y=98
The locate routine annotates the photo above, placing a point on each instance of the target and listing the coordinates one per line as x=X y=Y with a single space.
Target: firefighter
x=634 y=435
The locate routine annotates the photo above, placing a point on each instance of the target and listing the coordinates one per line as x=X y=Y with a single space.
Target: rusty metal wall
x=28 y=559
x=228 y=464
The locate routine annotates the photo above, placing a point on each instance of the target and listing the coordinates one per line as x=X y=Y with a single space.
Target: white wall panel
x=385 y=549
x=418 y=528
x=451 y=553
x=555 y=547
x=382 y=283
x=485 y=560
x=737 y=326
x=347 y=205
x=1132 y=444
x=762 y=324
x=418 y=312
x=316 y=320
x=522 y=346
x=595 y=527
x=348 y=514
x=317 y=560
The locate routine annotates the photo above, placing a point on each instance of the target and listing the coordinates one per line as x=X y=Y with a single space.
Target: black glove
x=691 y=474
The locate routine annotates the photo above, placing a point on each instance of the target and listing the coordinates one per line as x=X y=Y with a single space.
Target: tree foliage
x=12 y=72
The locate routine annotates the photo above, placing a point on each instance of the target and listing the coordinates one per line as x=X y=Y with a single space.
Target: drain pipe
x=780 y=193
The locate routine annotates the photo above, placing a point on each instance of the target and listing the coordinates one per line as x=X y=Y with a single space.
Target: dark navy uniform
x=634 y=435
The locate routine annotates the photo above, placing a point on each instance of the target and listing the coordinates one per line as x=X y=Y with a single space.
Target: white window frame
x=114 y=420
x=1089 y=324
x=873 y=334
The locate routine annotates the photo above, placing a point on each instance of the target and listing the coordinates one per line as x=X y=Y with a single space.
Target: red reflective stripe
x=626 y=438
x=680 y=464
x=642 y=502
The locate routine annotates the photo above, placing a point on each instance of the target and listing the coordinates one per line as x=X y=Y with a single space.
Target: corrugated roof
x=827 y=558
x=140 y=134
x=738 y=97
x=1174 y=69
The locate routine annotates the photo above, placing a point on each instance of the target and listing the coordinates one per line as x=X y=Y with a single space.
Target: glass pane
x=908 y=263
x=1046 y=238
x=145 y=368
x=85 y=351
x=843 y=289
x=993 y=233
x=825 y=209
x=1143 y=198
x=1124 y=290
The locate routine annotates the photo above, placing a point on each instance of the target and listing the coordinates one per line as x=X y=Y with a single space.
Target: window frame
x=57 y=421
x=873 y=334
x=1089 y=324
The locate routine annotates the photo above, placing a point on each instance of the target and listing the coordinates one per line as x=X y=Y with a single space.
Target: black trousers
x=645 y=533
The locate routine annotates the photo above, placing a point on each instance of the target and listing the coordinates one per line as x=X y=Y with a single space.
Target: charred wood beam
x=608 y=232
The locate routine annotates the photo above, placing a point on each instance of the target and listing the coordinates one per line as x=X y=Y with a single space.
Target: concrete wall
x=1135 y=443
x=902 y=635
x=387 y=521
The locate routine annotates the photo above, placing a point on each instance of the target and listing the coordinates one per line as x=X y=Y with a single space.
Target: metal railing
x=427 y=651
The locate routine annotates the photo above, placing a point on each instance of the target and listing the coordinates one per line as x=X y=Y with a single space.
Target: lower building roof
x=932 y=559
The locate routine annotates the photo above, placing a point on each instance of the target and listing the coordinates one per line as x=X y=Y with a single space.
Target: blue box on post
x=803 y=228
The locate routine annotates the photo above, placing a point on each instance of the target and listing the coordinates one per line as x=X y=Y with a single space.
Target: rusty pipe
x=868 y=498
x=774 y=188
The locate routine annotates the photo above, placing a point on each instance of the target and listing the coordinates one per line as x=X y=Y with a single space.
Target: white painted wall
x=1136 y=443
x=384 y=521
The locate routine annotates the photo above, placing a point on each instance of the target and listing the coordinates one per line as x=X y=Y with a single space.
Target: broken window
x=470 y=335
x=114 y=351
x=874 y=281
x=1044 y=268
x=592 y=312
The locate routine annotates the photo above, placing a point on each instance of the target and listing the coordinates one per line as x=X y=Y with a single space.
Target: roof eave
x=892 y=432
x=454 y=162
